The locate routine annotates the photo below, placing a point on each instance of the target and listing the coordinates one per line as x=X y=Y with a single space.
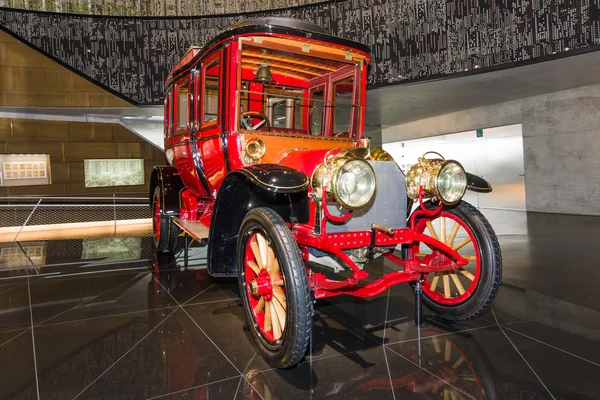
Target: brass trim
x=289 y=152
x=371 y=154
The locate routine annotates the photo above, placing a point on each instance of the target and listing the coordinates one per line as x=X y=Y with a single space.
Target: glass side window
x=342 y=104
x=211 y=93
x=317 y=106
x=183 y=110
x=283 y=108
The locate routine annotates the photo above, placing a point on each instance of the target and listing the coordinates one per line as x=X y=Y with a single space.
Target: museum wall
x=561 y=143
x=29 y=79
x=69 y=144
x=410 y=40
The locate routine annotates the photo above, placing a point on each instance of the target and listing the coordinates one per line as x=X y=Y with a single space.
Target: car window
x=283 y=108
x=342 y=104
x=183 y=110
x=211 y=93
x=317 y=105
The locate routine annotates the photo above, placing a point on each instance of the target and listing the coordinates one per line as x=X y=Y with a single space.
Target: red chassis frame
x=412 y=270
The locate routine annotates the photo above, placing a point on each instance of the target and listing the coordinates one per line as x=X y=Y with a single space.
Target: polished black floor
x=106 y=320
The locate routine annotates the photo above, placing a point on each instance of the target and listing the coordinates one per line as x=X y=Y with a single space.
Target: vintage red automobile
x=269 y=167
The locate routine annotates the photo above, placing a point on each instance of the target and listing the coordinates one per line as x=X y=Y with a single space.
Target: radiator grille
x=388 y=208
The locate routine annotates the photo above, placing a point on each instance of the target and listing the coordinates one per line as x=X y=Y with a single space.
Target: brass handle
x=389 y=231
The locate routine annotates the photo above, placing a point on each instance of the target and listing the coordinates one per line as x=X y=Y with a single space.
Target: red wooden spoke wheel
x=449 y=287
x=463 y=293
x=274 y=288
x=265 y=287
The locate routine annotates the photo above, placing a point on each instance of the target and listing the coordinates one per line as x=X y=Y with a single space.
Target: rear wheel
x=165 y=232
x=274 y=288
x=466 y=292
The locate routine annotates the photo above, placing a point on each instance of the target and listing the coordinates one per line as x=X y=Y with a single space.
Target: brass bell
x=263 y=75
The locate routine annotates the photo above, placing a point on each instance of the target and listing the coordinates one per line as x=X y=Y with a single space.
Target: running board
x=193 y=228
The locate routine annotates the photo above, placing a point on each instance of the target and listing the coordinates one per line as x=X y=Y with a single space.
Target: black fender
x=168 y=179
x=280 y=188
x=478 y=184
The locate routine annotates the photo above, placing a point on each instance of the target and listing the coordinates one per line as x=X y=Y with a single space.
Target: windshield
x=302 y=111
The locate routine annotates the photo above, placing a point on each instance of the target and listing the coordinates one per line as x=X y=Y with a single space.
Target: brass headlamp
x=348 y=180
x=443 y=179
x=254 y=150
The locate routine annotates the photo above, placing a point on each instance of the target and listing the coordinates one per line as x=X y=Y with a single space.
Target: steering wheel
x=245 y=120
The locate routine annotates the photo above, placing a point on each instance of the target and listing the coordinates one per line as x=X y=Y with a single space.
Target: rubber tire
x=169 y=232
x=491 y=266
x=294 y=342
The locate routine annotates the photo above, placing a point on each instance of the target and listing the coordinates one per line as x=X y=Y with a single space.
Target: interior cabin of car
x=299 y=88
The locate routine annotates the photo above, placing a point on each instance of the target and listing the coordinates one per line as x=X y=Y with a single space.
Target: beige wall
x=30 y=79
x=68 y=144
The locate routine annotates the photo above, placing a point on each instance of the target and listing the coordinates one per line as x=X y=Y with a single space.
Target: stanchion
x=418 y=303
x=185 y=249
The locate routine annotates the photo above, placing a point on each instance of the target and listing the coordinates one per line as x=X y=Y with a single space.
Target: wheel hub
x=437 y=258
x=262 y=285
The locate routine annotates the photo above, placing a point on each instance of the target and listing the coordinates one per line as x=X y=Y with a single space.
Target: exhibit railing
x=22 y=214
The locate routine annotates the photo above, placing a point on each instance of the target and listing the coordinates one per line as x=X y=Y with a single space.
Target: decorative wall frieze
x=410 y=39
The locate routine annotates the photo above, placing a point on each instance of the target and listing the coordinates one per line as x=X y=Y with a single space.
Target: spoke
x=458 y=362
x=267 y=316
x=462 y=244
x=421 y=255
x=254 y=267
x=450 y=241
x=275 y=270
x=466 y=273
x=277 y=282
x=262 y=246
x=278 y=294
x=275 y=322
x=268 y=258
x=446 y=280
x=436 y=344
x=434 y=281
x=459 y=286
x=443 y=230
x=261 y=304
x=471 y=258
x=431 y=230
x=261 y=123
x=447 y=351
x=280 y=314
x=256 y=252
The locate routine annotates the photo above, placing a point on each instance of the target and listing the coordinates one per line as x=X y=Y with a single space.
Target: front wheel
x=466 y=292
x=274 y=288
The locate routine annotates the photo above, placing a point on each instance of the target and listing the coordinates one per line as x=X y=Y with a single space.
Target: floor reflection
x=110 y=318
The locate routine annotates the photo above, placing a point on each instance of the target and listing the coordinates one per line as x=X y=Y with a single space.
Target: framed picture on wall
x=24 y=169
x=114 y=172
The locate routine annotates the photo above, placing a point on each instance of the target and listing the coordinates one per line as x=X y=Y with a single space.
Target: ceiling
x=398 y=104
